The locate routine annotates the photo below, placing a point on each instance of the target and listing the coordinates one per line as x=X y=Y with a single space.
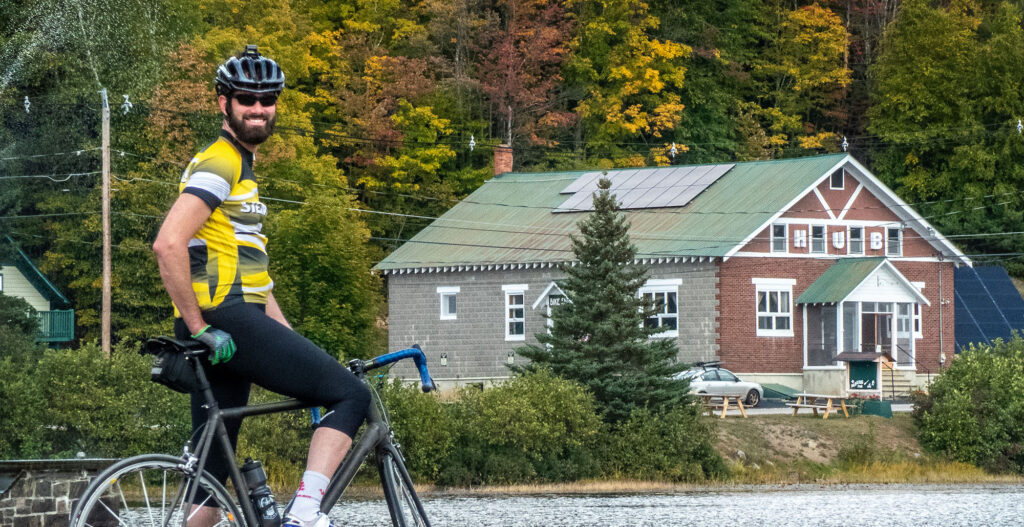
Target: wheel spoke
x=145 y=496
x=120 y=494
x=111 y=511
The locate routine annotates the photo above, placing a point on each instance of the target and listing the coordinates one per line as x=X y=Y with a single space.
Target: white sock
x=307 y=498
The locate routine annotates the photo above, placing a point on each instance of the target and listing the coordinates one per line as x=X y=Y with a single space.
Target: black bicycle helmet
x=249 y=72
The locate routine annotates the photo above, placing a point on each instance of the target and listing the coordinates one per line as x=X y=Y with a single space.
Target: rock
x=740 y=455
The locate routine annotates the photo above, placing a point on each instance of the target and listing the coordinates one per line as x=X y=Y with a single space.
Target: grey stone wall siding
x=42 y=493
x=475 y=341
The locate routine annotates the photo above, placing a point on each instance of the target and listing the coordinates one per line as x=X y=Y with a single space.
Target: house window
x=663 y=295
x=917 y=322
x=515 y=311
x=894 y=241
x=448 y=302
x=856 y=240
x=779 y=238
x=836 y=181
x=774 y=307
x=817 y=238
x=1 y=282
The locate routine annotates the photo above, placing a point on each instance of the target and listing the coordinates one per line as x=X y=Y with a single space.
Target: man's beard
x=247 y=134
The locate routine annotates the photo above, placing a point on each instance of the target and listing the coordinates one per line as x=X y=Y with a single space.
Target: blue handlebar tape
x=314 y=413
x=417 y=357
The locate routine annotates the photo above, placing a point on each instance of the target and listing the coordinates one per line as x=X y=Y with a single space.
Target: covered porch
x=859 y=315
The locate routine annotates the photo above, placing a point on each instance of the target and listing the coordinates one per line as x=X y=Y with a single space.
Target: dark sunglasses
x=249 y=99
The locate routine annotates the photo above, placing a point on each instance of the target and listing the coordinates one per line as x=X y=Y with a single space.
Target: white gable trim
x=824 y=204
x=896 y=205
x=547 y=291
x=907 y=285
x=903 y=211
x=849 y=203
x=782 y=211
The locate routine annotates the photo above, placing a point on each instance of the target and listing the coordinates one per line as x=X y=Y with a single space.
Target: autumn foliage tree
x=520 y=65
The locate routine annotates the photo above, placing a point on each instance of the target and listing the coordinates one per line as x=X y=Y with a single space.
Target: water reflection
x=802 y=505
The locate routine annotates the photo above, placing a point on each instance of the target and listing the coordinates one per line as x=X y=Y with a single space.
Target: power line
x=54 y=154
x=52 y=177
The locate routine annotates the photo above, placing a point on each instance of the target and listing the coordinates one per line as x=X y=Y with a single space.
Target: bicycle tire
x=403 y=503
x=148 y=491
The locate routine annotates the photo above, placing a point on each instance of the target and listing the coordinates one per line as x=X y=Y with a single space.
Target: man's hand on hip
x=221 y=345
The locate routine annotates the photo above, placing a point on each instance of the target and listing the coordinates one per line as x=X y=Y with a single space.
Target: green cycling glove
x=221 y=345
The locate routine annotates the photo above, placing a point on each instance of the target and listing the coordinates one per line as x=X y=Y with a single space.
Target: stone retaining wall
x=41 y=493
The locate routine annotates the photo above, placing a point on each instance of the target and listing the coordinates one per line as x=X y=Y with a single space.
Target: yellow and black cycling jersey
x=228 y=255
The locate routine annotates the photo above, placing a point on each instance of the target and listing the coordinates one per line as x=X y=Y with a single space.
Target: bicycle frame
x=376 y=437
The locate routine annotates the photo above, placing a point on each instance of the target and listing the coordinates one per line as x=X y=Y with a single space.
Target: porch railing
x=56 y=326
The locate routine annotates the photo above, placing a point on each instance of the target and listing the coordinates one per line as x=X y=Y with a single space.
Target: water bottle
x=260 y=495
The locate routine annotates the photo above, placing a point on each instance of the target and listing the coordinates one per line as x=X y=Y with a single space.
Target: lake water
x=798 y=505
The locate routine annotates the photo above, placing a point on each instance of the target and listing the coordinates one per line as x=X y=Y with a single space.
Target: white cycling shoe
x=321 y=520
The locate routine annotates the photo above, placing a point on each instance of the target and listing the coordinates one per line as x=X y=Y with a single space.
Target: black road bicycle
x=157 y=490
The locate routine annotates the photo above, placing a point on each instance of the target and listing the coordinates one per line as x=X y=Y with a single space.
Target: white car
x=712 y=380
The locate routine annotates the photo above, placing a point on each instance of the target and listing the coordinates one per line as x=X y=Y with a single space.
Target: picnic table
x=814 y=401
x=713 y=403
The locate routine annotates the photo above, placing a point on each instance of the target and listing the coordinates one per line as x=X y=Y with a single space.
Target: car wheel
x=753 y=399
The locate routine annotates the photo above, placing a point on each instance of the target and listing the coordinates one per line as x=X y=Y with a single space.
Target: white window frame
x=1 y=281
x=849 y=239
x=772 y=238
x=512 y=290
x=824 y=239
x=899 y=241
x=666 y=286
x=918 y=312
x=768 y=286
x=445 y=292
x=842 y=179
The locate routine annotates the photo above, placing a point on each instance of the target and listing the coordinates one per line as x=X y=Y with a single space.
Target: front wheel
x=151 y=490
x=403 y=504
x=753 y=399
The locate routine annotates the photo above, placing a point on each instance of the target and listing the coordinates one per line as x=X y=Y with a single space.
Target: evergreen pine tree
x=598 y=337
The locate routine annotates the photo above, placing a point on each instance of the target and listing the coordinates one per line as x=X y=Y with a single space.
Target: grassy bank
x=774 y=449
x=783 y=450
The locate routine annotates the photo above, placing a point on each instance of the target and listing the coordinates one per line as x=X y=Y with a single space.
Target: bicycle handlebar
x=416 y=353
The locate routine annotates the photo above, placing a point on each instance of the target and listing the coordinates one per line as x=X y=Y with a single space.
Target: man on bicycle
x=213 y=262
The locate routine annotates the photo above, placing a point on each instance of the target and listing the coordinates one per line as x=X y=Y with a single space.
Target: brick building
x=805 y=272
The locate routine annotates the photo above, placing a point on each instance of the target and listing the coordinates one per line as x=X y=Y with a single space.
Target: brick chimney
x=502 y=159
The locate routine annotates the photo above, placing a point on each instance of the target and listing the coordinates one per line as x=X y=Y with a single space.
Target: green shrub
x=530 y=428
x=674 y=446
x=975 y=410
x=422 y=425
x=22 y=407
x=108 y=408
x=18 y=315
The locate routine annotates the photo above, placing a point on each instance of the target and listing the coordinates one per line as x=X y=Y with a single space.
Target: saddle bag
x=171 y=367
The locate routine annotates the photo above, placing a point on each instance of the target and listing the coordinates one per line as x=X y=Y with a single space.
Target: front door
x=876 y=333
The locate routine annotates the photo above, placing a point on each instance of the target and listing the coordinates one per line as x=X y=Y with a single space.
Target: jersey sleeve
x=211 y=180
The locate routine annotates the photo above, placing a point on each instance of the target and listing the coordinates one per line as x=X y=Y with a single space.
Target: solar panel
x=645 y=188
x=987 y=307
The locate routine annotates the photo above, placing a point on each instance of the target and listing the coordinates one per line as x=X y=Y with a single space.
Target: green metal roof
x=510 y=218
x=839 y=281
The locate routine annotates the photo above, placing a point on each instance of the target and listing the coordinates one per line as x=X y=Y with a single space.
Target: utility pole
x=105 y=307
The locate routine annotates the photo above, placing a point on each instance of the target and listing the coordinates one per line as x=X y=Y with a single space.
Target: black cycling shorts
x=273 y=356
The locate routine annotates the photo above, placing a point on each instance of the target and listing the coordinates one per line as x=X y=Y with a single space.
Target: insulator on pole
x=472 y=143
x=846 y=144
x=127 y=105
x=27 y=104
